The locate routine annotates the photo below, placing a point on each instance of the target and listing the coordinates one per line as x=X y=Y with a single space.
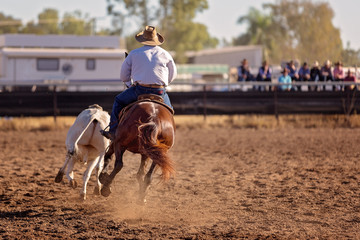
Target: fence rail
x=231 y=100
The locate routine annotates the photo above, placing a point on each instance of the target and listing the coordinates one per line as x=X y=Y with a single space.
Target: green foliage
x=259 y=31
x=183 y=34
x=74 y=23
x=8 y=24
x=294 y=29
x=49 y=23
x=173 y=18
x=309 y=26
x=131 y=43
x=351 y=57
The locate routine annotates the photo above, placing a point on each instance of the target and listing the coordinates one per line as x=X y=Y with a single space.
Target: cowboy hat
x=339 y=63
x=149 y=37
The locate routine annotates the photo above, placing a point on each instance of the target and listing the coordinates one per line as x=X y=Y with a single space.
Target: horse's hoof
x=59 y=176
x=97 y=190
x=105 y=191
x=103 y=178
x=73 y=183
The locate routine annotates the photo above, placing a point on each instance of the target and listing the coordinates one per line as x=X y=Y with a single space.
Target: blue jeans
x=131 y=95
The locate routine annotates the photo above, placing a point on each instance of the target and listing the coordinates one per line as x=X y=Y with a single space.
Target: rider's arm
x=172 y=71
x=125 y=73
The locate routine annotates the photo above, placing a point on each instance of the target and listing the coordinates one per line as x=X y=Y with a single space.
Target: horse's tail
x=155 y=149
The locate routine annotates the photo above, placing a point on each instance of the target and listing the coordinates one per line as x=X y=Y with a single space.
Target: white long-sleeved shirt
x=148 y=65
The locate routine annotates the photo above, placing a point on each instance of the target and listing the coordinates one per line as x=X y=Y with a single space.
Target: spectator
x=293 y=72
x=244 y=72
x=339 y=75
x=264 y=75
x=304 y=74
x=285 y=78
x=349 y=78
x=326 y=74
x=315 y=74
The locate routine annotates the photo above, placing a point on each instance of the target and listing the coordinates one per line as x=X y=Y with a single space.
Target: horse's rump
x=152 y=145
x=148 y=128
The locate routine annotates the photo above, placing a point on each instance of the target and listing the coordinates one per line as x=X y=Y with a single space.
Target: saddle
x=145 y=98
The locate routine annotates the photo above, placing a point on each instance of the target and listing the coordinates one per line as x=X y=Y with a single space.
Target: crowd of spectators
x=291 y=74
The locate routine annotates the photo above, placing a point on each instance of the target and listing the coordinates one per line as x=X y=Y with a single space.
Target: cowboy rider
x=146 y=70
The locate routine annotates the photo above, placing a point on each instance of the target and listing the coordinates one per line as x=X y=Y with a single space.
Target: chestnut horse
x=148 y=129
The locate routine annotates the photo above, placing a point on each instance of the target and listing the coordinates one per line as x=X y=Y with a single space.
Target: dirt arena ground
x=297 y=183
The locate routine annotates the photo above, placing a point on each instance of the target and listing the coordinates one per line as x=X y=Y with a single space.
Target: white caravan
x=81 y=61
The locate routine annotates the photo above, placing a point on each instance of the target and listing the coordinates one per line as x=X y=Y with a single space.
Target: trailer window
x=47 y=64
x=90 y=64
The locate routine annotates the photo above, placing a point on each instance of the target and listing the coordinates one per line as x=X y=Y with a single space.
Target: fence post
x=276 y=104
x=204 y=102
x=55 y=110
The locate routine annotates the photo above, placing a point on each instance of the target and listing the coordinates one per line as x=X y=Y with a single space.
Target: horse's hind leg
x=141 y=172
x=105 y=190
x=144 y=186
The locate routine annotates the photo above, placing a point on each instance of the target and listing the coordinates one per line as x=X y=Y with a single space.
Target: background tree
x=173 y=18
x=31 y=28
x=309 y=28
x=9 y=24
x=259 y=31
x=139 y=11
x=74 y=23
x=182 y=33
x=350 y=56
x=48 y=23
x=293 y=29
x=71 y=23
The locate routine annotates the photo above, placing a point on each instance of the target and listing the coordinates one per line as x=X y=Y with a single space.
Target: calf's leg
x=70 y=173
x=87 y=174
x=98 y=169
x=60 y=174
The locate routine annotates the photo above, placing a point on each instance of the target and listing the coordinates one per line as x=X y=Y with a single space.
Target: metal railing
x=209 y=86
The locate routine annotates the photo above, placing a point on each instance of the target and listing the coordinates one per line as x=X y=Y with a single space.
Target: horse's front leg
x=106 y=181
x=145 y=185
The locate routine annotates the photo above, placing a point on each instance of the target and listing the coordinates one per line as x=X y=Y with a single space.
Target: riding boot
x=111 y=133
x=108 y=134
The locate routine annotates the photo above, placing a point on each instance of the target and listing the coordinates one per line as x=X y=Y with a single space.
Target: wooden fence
x=62 y=103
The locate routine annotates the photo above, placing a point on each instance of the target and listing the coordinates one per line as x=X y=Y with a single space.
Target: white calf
x=85 y=144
